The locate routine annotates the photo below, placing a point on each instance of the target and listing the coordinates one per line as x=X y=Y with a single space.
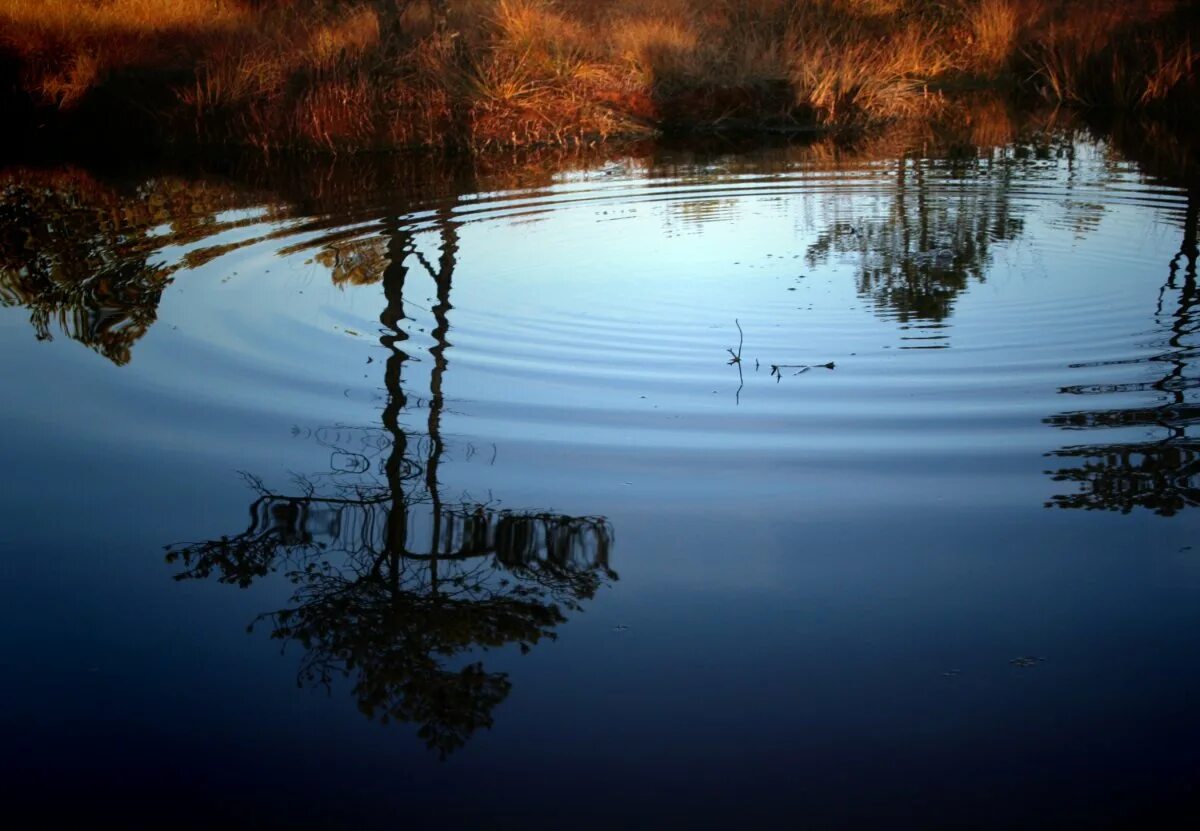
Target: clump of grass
x=1135 y=57
x=69 y=47
x=350 y=36
x=995 y=29
x=656 y=50
x=847 y=72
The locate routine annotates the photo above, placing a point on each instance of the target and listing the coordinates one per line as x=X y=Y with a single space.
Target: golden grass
x=1108 y=57
x=74 y=18
x=373 y=73
x=995 y=27
x=71 y=46
x=656 y=48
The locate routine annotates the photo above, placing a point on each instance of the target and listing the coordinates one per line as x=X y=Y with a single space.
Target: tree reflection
x=81 y=256
x=395 y=588
x=915 y=258
x=64 y=265
x=1162 y=475
x=90 y=257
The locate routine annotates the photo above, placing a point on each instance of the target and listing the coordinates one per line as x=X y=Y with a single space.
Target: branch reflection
x=1161 y=475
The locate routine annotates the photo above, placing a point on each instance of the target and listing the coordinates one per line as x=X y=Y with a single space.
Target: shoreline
x=322 y=78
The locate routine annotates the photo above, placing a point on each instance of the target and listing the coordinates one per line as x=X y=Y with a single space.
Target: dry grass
x=995 y=28
x=1108 y=56
x=352 y=75
x=72 y=46
x=77 y=19
x=854 y=69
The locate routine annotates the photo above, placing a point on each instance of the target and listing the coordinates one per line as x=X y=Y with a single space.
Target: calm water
x=412 y=494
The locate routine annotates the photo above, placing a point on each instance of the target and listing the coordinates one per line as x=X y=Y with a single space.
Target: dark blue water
x=816 y=486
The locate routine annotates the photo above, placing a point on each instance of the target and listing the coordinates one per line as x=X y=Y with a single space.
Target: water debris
x=1026 y=661
x=952 y=673
x=736 y=358
x=777 y=369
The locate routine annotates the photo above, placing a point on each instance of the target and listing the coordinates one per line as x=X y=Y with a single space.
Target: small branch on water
x=777 y=369
x=736 y=357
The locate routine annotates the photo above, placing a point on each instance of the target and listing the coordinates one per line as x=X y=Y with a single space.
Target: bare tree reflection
x=916 y=258
x=1161 y=475
x=396 y=588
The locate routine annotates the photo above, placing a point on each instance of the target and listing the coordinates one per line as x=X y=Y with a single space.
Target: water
x=818 y=486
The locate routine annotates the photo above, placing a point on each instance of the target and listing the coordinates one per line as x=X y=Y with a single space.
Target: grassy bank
x=324 y=74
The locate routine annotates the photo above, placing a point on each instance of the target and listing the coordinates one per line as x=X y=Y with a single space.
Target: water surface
x=824 y=486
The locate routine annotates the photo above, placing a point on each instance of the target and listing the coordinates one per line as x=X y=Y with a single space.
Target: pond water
x=823 y=485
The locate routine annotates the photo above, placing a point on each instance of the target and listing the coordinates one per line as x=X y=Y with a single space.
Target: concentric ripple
x=691 y=322
x=841 y=478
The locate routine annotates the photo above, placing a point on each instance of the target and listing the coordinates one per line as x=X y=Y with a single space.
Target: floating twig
x=777 y=369
x=736 y=357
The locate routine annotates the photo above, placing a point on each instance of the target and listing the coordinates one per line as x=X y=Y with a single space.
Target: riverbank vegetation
x=340 y=76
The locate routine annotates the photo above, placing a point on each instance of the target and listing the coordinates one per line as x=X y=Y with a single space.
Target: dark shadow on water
x=394 y=587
